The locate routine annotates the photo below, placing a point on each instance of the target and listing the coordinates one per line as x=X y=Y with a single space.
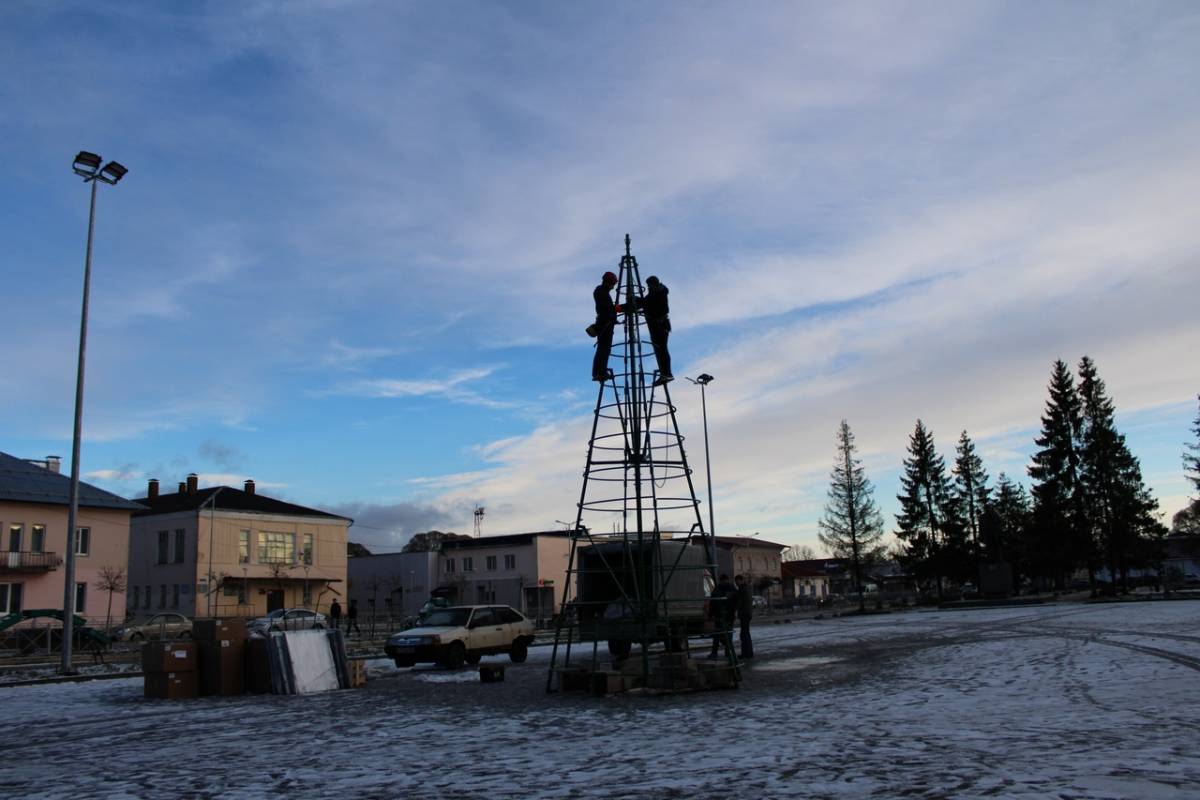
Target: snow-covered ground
x=1070 y=701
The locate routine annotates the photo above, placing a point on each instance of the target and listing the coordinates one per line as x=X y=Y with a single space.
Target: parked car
x=166 y=625
x=288 y=619
x=463 y=634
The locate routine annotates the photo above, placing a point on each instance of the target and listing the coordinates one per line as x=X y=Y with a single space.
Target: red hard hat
x=610 y=277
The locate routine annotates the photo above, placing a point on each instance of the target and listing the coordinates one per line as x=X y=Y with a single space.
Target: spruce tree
x=852 y=525
x=1008 y=534
x=971 y=489
x=927 y=520
x=1059 y=542
x=1191 y=461
x=1120 y=509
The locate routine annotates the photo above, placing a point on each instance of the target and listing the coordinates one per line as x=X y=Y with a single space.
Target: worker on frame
x=658 y=323
x=606 y=323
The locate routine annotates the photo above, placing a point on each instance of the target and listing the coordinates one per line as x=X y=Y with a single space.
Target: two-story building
x=527 y=571
x=755 y=558
x=226 y=552
x=34 y=504
x=392 y=585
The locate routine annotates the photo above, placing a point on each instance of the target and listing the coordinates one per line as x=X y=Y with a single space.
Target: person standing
x=745 y=609
x=658 y=323
x=722 y=605
x=606 y=322
x=335 y=614
x=352 y=618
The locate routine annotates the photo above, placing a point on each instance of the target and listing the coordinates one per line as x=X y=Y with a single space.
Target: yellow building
x=226 y=552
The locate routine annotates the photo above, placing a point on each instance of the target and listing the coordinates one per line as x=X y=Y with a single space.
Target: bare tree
x=800 y=552
x=112 y=580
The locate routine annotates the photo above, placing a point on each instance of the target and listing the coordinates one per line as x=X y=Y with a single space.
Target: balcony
x=22 y=561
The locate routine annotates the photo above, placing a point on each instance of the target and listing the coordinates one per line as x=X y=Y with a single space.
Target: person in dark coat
x=722 y=605
x=352 y=618
x=335 y=614
x=658 y=323
x=745 y=609
x=606 y=322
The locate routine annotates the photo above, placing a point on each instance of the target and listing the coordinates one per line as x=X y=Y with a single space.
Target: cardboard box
x=358 y=673
x=574 y=679
x=491 y=673
x=609 y=682
x=169 y=657
x=257 y=674
x=222 y=667
x=217 y=629
x=170 y=685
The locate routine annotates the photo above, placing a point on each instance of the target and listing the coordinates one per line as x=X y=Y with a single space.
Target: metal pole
x=712 y=528
x=212 y=515
x=73 y=503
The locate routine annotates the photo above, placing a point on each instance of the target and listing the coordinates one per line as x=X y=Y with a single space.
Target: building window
x=276 y=548
x=83 y=541
x=14 y=537
x=307 y=596
x=510 y=562
x=175 y=596
x=449 y=565
x=243 y=547
x=162 y=595
x=10 y=598
x=137 y=596
x=80 y=598
x=180 y=538
x=146 y=599
x=37 y=539
x=491 y=563
x=162 y=547
x=467 y=565
x=308 y=548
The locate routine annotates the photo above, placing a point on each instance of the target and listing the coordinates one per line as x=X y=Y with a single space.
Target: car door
x=156 y=627
x=486 y=631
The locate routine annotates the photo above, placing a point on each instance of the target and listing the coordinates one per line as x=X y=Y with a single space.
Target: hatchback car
x=160 y=626
x=288 y=619
x=463 y=634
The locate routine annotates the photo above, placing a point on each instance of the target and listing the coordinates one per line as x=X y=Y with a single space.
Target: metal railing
x=27 y=561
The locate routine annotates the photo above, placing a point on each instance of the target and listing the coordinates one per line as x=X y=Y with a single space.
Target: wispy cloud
x=452 y=388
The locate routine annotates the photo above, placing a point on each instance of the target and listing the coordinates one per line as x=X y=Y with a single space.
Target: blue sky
x=354 y=253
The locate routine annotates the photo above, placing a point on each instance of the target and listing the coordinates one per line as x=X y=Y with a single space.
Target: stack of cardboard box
x=170 y=670
x=222 y=644
x=358 y=672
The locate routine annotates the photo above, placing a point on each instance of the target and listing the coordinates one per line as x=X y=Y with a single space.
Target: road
x=1069 y=700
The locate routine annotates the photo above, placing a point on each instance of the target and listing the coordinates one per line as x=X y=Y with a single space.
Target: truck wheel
x=518 y=652
x=620 y=647
x=456 y=654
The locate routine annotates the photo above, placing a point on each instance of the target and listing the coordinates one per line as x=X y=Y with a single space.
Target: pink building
x=33 y=523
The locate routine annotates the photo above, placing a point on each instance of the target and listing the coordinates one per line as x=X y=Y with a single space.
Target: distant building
x=758 y=559
x=527 y=571
x=226 y=552
x=34 y=500
x=804 y=584
x=392 y=585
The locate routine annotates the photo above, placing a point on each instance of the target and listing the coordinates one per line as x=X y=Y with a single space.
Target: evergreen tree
x=852 y=526
x=1007 y=536
x=1059 y=542
x=971 y=489
x=927 y=522
x=1120 y=509
x=1191 y=462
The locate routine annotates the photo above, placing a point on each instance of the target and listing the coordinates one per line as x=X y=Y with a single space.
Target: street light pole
x=212 y=521
x=703 y=381
x=87 y=166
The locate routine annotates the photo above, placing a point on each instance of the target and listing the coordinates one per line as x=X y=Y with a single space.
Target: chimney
x=182 y=487
x=152 y=489
x=53 y=463
x=193 y=483
x=249 y=486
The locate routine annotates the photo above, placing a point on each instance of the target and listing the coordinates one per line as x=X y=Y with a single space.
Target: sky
x=353 y=255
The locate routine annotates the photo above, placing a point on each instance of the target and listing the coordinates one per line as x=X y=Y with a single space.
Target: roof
x=23 y=482
x=748 y=541
x=228 y=499
x=798 y=569
x=503 y=540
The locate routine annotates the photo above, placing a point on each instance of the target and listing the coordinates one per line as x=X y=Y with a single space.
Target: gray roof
x=22 y=482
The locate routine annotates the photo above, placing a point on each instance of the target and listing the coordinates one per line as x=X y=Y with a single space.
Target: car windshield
x=446 y=618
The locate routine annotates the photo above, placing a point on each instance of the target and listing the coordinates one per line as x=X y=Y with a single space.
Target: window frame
x=164 y=545
x=244 y=549
x=510 y=561
x=79 y=602
x=468 y=564
x=180 y=545
x=37 y=538
x=17 y=530
x=269 y=541
x=83 y=541
x=490 y=563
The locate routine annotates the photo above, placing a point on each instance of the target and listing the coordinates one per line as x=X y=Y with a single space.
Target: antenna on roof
x=478 y=521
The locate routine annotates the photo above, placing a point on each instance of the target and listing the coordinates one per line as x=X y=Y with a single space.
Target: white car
x=288 y=619
x=463 y=634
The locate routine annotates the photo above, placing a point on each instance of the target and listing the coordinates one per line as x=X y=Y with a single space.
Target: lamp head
x=704 y=378
x=112 y=172
x=86 y=164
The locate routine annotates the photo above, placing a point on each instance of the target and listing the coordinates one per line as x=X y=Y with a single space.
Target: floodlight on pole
x=87 y=166
x=703 y=380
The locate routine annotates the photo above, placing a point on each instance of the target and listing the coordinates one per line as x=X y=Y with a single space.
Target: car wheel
x=620 y=647
x=518 y=652
x=137 y=637
x=473 y=658
x=456 y=654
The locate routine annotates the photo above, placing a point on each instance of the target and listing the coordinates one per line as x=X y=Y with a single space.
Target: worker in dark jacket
x=335 y=614
x=722 y=605
x=658 y=323
x=606 y=322
x=745 y=608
